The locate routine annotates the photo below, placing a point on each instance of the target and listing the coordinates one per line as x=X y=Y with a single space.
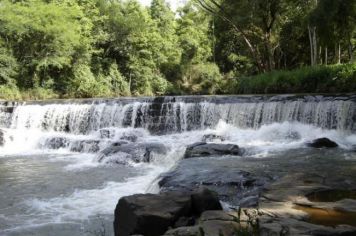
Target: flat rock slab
x=223 y=176
x=281 y=208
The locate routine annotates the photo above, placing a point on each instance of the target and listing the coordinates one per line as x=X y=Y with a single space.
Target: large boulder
x=136 y=152
x=205 y=200
x=153 y=215
x=210 y=149
x=322 y=143
x=225 y=177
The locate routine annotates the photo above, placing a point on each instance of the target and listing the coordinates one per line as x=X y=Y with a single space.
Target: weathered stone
x=185 y=231
x=184 y=221
x=149 y=214
x=129 y=137
x=106 y=133
x=137 y=152
x=90 y=146
x=56 y=143
x=217 y=215
x=212 y=138
x=205 y=200
x=207 y=228
x=208 y=149
x=153 y=215
x=2 y=138
x=218 y=227
x=224 y=177
x=322 y=143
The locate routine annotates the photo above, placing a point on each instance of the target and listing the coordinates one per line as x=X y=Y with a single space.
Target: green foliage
x=100 y=48
x=9 y=92
x=8 y=66
x=202 y=79
x=320 y=79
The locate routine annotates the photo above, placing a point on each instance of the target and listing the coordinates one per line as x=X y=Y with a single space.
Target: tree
x=45 y=38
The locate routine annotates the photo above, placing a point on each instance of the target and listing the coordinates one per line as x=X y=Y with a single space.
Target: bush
x=38 y=94
x=84 y=83
x=319 y=79
x=202 y=79
x=9 y=92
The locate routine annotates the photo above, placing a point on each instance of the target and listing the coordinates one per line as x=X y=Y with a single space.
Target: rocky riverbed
x=65 y=164
x=311 y=194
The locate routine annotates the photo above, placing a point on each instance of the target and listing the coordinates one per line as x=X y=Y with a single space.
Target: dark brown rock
x=322 y=143
x=149 y=214
x=205 y=200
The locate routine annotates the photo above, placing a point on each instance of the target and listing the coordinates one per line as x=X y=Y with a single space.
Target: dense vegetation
x=97 y=48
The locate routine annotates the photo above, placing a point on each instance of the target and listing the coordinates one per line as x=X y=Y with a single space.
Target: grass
x=319 y=79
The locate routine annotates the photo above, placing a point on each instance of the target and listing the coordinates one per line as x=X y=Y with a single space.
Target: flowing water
x=52 y=182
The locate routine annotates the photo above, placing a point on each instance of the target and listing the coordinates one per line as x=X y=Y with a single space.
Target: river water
x=52 y=182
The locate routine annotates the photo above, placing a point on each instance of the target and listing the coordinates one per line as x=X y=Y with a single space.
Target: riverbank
x=318 y=80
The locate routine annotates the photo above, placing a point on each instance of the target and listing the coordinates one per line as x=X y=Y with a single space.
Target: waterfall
x=169 y=114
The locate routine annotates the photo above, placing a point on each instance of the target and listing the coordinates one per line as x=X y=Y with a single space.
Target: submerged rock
x=56 y=143
x=91 y=146
x=153 y=215
x=212 y=138
x=209 y=149
x=2 y=138
x=322 y=143
x=137 y=152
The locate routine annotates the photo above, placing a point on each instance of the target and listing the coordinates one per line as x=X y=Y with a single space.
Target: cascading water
x=58 y=171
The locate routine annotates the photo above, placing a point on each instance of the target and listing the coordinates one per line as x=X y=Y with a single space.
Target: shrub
x=9 y=92
x=202 y=79
x=319 y=79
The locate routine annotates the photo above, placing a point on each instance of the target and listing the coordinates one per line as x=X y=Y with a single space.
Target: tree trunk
x=313 y=45
x=351 y=52
x=270 y=57
x=326 y=55
x=339 y=54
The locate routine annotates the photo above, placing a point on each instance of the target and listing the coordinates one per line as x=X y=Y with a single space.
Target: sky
x=174 y=3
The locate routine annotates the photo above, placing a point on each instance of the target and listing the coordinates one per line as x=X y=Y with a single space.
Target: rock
x=137 y=152
x=218 y=227
x=89 y=146
x=205 y=200
x=106 y=133
x=217 y=215
x=212 y=138
x=210 y=149
x=56 y=143
x=149 y=214
x=2 y=138
x=152 y=215
x=185 y=231
x=129 y=137
x=234 y=186
x=322 y=143
x=184 y=221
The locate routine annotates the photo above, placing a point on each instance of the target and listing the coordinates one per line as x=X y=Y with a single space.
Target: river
x=54 y=181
